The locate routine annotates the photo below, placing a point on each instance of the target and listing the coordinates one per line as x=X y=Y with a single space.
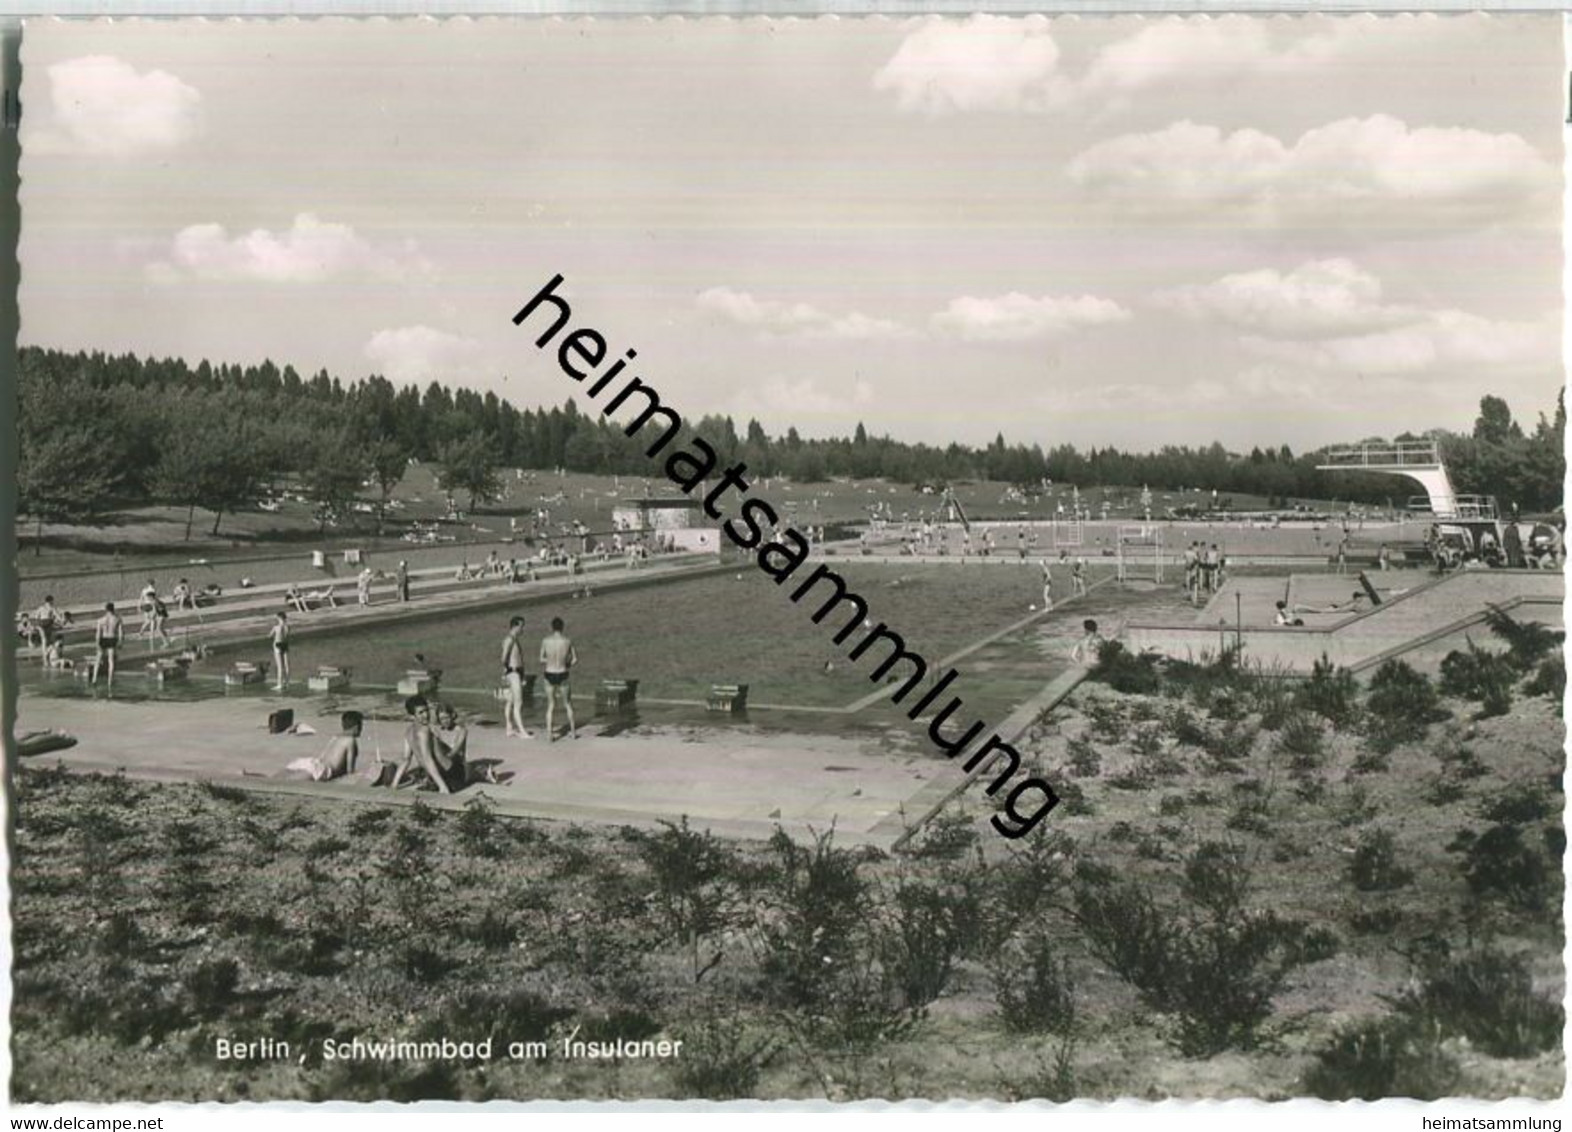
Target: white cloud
x=309 y=251
x=1347 y=170
x=1445 y=338
x=771 y=317
x=1016 y=317
x=983 y=63
x=415 y=353
x=1329 y=314
x=1324 y=297
x=799 y=401
x=103 y=106
x=996 y=63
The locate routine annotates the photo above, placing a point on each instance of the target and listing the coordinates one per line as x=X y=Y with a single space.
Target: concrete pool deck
x=737 y=783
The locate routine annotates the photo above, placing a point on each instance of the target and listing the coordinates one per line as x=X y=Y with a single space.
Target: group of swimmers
x=557 y=658
x=1205 y=570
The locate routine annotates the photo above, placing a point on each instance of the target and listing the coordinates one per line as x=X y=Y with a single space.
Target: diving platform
x=1419 y=460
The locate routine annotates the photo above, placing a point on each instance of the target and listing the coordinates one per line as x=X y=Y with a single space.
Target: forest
x=99 y=432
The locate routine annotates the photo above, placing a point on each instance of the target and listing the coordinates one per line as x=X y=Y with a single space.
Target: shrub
x=1331 y=693
x=1458 y=760
x=1072 y=798
x=722 y=1059
x=1528 y=642
x=1146 y=741
x=1550 y=680
x=1033 y=988
x=1107 y=719
x=1227 y=745
x=1085 y=760
x=1185 y=728
x=1519 y=804
x=1301 y=735
x=1124 y=671
x=1387 y=1057
x=1498 y=865
x=1488 y=998
x=1400 y=707
x=947 y=837
x=692 y=892
x=1474 y=674
x=1216 y=976
x=1171 y=805
x=1217 y=878
x=1374 y=866
x=918 y=950
x=814 y=905
x=477 y=828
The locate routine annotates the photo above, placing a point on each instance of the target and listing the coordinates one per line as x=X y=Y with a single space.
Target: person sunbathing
x=340 y=756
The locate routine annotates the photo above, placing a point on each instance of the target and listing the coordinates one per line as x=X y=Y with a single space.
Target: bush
x=1033 y=988
x=693 y=892
x=1489 y=999
x=1550 y=680
x=1387 y=1057
x=1498 y=865
x=814 y=904
x=919 y=948
x=1528 y=642
x=1185 y=728
x=1301 y=736
x=1228 y=745
x=1124 y=671
x=1215 y=975
x=1085 y=760
x=722 y=1060
x=1401 y=706
x=1374 y=866
x=1217 y=878
x=1331 y=693
x=1476 y=674
x=1521 y=803
x=1107 y=719
x=947 y=837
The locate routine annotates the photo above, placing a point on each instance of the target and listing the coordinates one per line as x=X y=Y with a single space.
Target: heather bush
x=1385 y=1057
x=1033 y=988
x=1124 y=671
x=1401 y=706
x=1528 y=642
x=1085 y=760
x=1331 y=693
x=1488 y=998
x=1498 y=865
x=1374 y=866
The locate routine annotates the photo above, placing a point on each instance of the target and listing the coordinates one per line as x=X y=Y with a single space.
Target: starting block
x=329 y=678
x=165 y=671
x=617 y=693
x=728 y=697
x=244 y=672
x=417 y=682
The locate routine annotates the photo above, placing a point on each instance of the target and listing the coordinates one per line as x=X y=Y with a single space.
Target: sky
x=1137 y=232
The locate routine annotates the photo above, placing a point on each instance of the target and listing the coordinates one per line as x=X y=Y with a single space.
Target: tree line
x=98 y=432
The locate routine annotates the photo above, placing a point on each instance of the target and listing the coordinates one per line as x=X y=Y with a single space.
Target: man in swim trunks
x=279 y=635
x=557 y=659
x=420 y=747
x=109 y=633
x=513 y=679
x=341 y=754
x=1089 y=647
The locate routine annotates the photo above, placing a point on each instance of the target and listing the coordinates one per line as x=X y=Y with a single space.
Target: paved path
x=738 y=782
